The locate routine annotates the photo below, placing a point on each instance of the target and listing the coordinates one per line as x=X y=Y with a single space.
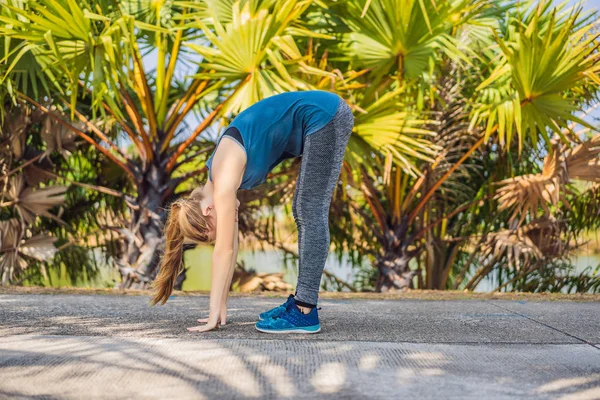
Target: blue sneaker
x=277 y=311
x=291 y=321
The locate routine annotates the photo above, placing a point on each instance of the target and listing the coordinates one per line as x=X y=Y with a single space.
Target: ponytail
x=185 y=223
x=172 y=260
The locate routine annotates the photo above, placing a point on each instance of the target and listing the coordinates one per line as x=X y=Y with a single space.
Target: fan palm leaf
x=532 y=90
x=68 y=40
x=527 y=194
x=10 y=236
x=399 y=134
x=401 y=36
x=537 y=83
x=15 y=251
x=256 y=49
x=31 y=202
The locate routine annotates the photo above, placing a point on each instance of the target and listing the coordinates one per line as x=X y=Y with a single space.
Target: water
x=58 y=276
x=198 y=261
x=580 y=261
x=198 y=274
x=198 y=264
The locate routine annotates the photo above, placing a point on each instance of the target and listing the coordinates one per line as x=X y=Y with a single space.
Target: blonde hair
x=185 y=224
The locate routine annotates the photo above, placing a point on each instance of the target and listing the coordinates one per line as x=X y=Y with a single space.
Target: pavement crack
x=546 y=325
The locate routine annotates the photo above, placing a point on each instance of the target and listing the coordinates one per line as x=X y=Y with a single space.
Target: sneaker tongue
x=290 y=303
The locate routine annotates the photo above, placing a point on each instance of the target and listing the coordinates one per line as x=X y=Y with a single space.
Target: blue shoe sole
x=303 y=329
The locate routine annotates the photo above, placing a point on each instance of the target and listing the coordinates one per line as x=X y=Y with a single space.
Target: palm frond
x=537 y=75
x=255 y=49
x=32 y=202
x=389 y=130
x=527 y=194
x=402 y=35
x=583 y=161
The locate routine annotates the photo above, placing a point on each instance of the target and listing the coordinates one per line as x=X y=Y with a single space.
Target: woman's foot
x=292 y=320
x=277 y=311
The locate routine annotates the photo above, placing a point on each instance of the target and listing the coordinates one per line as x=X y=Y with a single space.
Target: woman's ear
x=207 y=210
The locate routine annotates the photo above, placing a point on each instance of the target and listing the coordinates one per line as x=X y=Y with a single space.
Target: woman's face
x=208 y=210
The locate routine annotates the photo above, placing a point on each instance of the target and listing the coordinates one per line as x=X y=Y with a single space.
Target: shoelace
x=288 y=307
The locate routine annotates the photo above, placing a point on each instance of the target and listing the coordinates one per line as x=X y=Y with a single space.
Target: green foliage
x=535 y=86
x=450 y=97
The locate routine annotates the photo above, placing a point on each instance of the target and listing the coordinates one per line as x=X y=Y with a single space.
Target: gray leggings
x=322 y=158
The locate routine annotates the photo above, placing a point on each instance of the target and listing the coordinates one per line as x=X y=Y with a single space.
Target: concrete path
x=113 y=347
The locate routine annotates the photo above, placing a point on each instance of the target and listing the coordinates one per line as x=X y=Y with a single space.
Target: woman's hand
x=205 y=321
x=204 y=328
x=222 y=320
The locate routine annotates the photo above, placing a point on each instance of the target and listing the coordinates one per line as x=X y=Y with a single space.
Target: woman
x=313 y=124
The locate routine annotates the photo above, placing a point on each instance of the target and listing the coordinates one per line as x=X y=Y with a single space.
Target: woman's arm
x=230 y=277
x=223 y=311
x=228 y=167
x=221 y=257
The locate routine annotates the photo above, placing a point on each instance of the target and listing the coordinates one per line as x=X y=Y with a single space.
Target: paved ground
x=110 y=346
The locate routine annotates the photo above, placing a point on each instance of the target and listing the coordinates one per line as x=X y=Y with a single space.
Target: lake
x=198 y=264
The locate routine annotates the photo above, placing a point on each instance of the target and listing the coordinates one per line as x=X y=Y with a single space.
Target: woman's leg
x=319 y=172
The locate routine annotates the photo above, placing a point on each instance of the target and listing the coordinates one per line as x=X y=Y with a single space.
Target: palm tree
x=505 y=97
x=23 y=199
x=95 y=69
x=39 y=235
x=388 y=60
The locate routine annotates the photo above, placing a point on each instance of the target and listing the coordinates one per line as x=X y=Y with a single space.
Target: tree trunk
x=439 y=261
x=394 y=272
x=144 y=236
x=392 y=264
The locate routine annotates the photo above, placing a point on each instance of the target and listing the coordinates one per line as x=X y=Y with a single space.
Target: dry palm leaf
x=15 y=128
x=517 y=247
x=527 y=193
x=32 y=202
x=58 y=138
x=11 y=232
x=14 y=251
x=546 y=234
x=536 y=240
x=41 y=247
x=583 y=161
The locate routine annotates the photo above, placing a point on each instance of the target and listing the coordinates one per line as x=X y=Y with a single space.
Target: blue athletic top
x=274 y=128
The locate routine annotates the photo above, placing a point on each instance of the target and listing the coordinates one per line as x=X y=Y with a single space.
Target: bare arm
x=223 y=312
x=228 y=167
x=230 y=276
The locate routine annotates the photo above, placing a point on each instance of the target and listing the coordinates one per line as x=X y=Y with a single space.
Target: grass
x=435 y=295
